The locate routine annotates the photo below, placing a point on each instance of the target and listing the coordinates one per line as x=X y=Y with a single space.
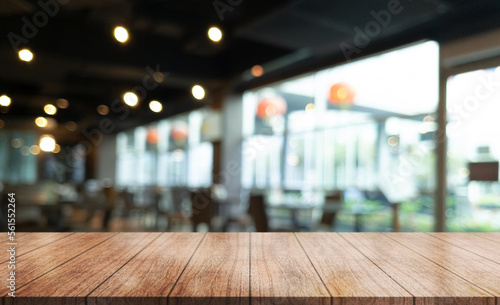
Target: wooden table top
x=255 y=268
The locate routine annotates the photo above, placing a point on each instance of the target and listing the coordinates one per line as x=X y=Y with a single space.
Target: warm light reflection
x=57 y=149
x=121 y=34
x=464 y=172
x=130 y=99
x=5 y=100
x=393 y=141
x=257 y=71
x=47 y=143
x=41 y=122
x=215 y=34
x=428 y=119
x=155 y=106
x=310 y=107
x=25 y=55
x=50 y=109
x=102 y=109
x=35 y=149
x=62 y=103
x=198 y=92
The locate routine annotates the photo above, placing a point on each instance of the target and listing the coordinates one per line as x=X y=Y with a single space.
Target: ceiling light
x=215 y=34
x=50 y=109
x=4 y=100
x=41 y=122
x=130 y=99
x=121 y=34
x=103 y=109
x=25 y=55
x=47 y=143
x=155 y=106
x=62 y=103
x=198 y=92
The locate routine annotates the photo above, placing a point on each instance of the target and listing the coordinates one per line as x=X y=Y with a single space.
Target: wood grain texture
x=484 y=247
x=150 y=276
x=257 y=268
x=54 y=254
x=495 y=236
x=478 y=270
x=218 y=272
x=71 y=283
x=349 y=276
x=281 y=272
x=425 y=280
x=29 y=242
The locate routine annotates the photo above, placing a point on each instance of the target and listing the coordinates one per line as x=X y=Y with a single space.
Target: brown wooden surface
x=53 y=255
x=77 y=278
x=467 y=265
x=282 y=273
x=349 y=276
x=30 y=242
x=426 y=280
x=218 y=272
x=151 y=275
x=256 y=268
x=484 y=247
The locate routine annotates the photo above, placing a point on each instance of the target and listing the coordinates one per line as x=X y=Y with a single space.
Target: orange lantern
x=179 y=132
x=152 y=136
x=341 y=93
x=270 y=107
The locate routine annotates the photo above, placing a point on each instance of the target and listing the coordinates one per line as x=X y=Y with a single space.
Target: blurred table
x=261 y=268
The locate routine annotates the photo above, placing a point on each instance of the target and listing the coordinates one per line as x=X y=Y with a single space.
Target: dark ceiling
x=77 y=58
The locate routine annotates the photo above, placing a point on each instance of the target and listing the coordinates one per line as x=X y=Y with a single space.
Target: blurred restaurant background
x=241 y=116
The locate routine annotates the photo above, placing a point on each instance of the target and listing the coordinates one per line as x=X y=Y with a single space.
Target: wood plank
x=44 y=259
x=72 y=282
x=480 y=271
x=349 y=276
x=484 y=247
x=281 y=272
x=150 y=276
x=218 y=273
x=426 y=281
x=32 y=241
x=494 y=236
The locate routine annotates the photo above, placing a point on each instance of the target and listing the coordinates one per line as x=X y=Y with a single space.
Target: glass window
x=18 y=157
x=473 y=105
x=367 y=125
x=174 y=152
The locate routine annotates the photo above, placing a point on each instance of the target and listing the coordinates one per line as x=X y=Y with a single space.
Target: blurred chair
x=177 y=214
x=386 y=204
x=202 y=208
x=110 y=196
x=333 y=204
x=131 y=211
x=257 y=211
